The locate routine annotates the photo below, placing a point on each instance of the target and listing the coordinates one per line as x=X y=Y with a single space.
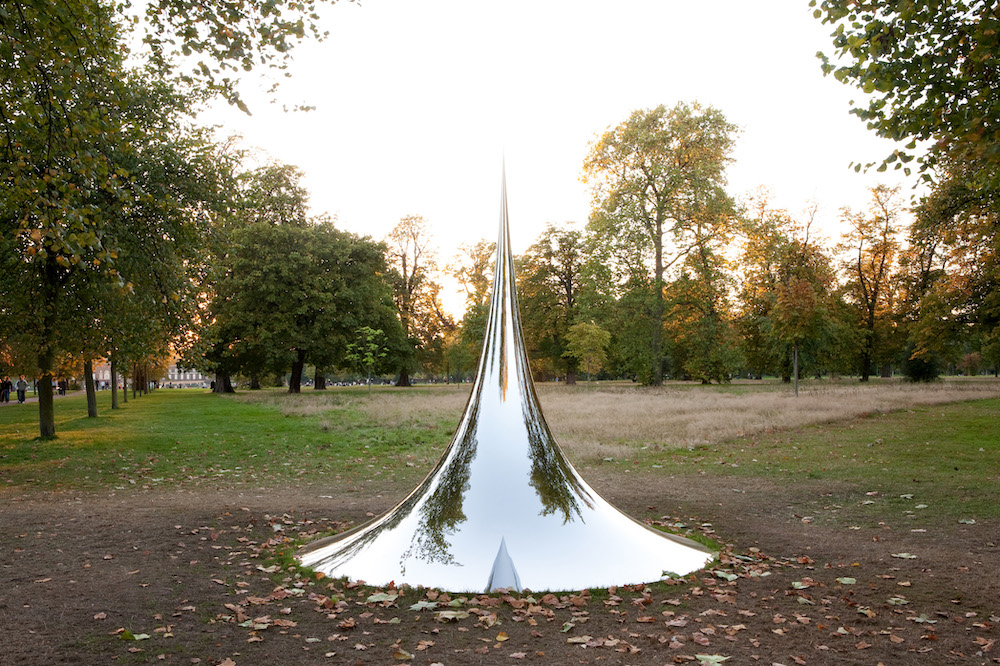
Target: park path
x=29 y=399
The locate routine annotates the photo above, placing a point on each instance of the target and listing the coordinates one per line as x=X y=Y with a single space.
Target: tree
x=658 y=190
x=548 y=279
x=871 y=248
x=587 y=343
x=70 y=114
x=788 y=296
x=412 y=267
x=294 y=294
x=951 y=274
x=930 y=72
x=366 y=351
x=473 y=268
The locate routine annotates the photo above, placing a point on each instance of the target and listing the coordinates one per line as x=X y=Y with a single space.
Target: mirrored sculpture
x=503 y=508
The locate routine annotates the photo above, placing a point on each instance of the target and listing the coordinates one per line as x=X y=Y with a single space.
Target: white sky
x=418 y=104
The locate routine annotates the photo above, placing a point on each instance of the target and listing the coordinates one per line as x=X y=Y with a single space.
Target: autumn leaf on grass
x=846 y=580
x=423 y=605
x=580 y=639
x=502 y=636
x=904 y=556
x=518 y=655
x=402 y=655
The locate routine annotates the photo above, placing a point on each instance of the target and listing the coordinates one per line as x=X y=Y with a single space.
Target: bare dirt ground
x=189 y=577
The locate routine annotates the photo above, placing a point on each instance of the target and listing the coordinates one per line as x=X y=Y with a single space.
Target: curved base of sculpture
x=608 y=548
x=504 y=509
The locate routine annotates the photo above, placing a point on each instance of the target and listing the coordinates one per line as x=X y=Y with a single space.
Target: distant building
x=176 y=377
x=179 y=377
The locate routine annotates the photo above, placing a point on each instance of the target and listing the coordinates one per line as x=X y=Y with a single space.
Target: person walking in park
x=5 y=388
x=22 y=387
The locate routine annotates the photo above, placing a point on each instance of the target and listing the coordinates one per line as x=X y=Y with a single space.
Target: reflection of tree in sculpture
x=442 y=512
x=551 y=476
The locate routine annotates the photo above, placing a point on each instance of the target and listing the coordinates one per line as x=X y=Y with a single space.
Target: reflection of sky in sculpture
x=503 y=478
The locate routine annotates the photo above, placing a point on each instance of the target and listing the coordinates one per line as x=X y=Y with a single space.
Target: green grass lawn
x=935 y=462
x=940 y=462
x=176 y=437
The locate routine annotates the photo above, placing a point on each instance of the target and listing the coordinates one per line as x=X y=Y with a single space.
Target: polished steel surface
x=503 y=508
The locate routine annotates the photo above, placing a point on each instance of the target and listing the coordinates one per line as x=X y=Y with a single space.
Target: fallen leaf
x=502 y=636
x=710 y=659
x=446 y=616
x=402 y=655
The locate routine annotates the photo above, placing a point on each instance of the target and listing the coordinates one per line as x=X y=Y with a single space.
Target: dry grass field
x=614 y=420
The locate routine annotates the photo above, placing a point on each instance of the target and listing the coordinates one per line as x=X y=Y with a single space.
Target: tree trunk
x=319 y=383
x=125 y=389
x=255 y=382
x=114 y=382
x=223 y=384
x=795 y=367
x=404 y=378
x=88 y=380
x=571 y=377
x=658 y=307
x=295 y=381
x=46 y=408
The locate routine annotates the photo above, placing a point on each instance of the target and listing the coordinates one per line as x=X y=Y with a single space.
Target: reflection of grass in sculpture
x=551 y=476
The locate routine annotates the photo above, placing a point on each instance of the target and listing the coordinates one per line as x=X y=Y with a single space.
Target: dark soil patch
x=203 y=576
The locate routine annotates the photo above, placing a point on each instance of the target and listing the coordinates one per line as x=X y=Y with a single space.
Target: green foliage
x=658 y=183
x=366 y=351
x=216 y=42
x=297 y=293
x=587 y=343
x=548 y=281
x=104 y=191
x=871 y=249
x=929 y=71
x=789 y=298
x=412 y=275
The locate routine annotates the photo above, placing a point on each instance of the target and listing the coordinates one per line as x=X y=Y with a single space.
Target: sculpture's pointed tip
x=504 y=573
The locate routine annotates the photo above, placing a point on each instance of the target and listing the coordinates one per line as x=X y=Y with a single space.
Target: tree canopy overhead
x=931 y=71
